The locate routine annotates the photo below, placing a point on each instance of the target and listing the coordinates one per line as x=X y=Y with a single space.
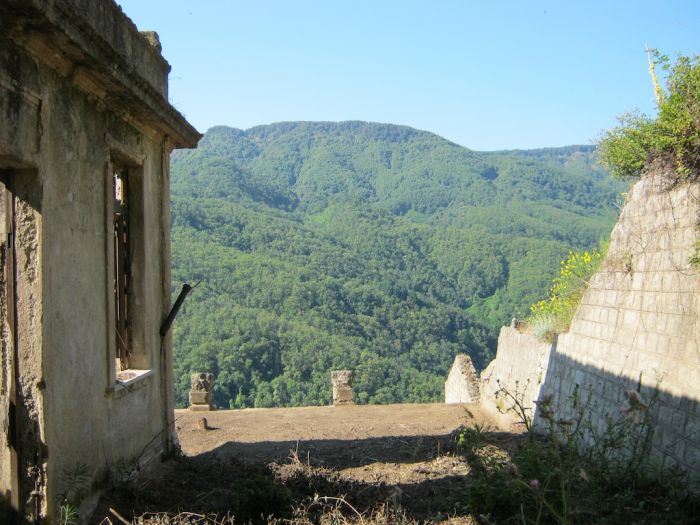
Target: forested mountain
x=378 y=248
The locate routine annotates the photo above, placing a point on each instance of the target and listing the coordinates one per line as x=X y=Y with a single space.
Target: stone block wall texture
x=520 y=368
x=462 y=385
x=637 y=326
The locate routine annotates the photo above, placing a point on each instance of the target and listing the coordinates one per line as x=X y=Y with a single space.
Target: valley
x=373 y=247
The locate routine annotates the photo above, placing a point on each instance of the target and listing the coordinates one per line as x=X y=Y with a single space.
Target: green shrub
x=673 y=136
x=75 y=483
x=553 y=315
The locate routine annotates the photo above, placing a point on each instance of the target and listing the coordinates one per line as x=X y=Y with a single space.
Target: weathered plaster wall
x=90 y=419
x=637 y=326
x=28 y=326
x=59 y=136
x=82 y=418
x=6 y=367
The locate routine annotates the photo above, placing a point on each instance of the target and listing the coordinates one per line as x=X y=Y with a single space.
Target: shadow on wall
x=575 y=388
x=675 y=419
x=636 y=329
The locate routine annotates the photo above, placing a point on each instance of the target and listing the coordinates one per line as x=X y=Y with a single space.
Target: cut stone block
x=200 y=398
x=342 y=387
x=200 y=408
x=200 y=391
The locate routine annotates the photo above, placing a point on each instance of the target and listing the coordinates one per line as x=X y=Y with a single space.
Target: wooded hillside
x=374 y=247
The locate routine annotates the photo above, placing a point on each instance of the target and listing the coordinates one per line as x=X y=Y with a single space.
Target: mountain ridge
x=290 y=124
x=367 y=246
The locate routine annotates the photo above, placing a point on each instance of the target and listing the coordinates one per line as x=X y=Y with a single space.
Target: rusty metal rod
x=186 y=289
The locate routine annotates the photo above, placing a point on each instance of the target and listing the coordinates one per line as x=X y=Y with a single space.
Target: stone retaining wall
x=520 y=368
x=636 y=329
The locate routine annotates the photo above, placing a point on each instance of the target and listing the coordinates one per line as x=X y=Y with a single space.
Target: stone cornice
x=100 y=50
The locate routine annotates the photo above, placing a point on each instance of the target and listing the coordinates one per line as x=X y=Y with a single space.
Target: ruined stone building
x=86 y=131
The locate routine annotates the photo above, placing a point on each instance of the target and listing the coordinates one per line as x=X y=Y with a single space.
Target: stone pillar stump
x=342 y=387
x=200 y=391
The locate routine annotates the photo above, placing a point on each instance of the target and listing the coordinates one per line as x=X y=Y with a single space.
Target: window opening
x=122 y=265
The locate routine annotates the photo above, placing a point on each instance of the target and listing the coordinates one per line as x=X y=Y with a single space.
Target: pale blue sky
x=487 y=75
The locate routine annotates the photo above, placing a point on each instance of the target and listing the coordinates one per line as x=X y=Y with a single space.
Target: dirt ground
x=267 y=464
x=333 y=436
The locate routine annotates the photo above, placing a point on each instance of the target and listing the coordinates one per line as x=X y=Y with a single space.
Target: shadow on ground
x=420 y=477
x=338 y=453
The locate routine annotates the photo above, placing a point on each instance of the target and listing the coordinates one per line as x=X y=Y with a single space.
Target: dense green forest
x=378 y=248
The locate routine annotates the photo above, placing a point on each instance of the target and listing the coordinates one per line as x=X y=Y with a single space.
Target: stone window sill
x=129 y=380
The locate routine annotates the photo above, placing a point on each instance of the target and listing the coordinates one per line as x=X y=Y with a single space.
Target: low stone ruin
x=462 y=385
x=342 y=387
x=200 y=392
